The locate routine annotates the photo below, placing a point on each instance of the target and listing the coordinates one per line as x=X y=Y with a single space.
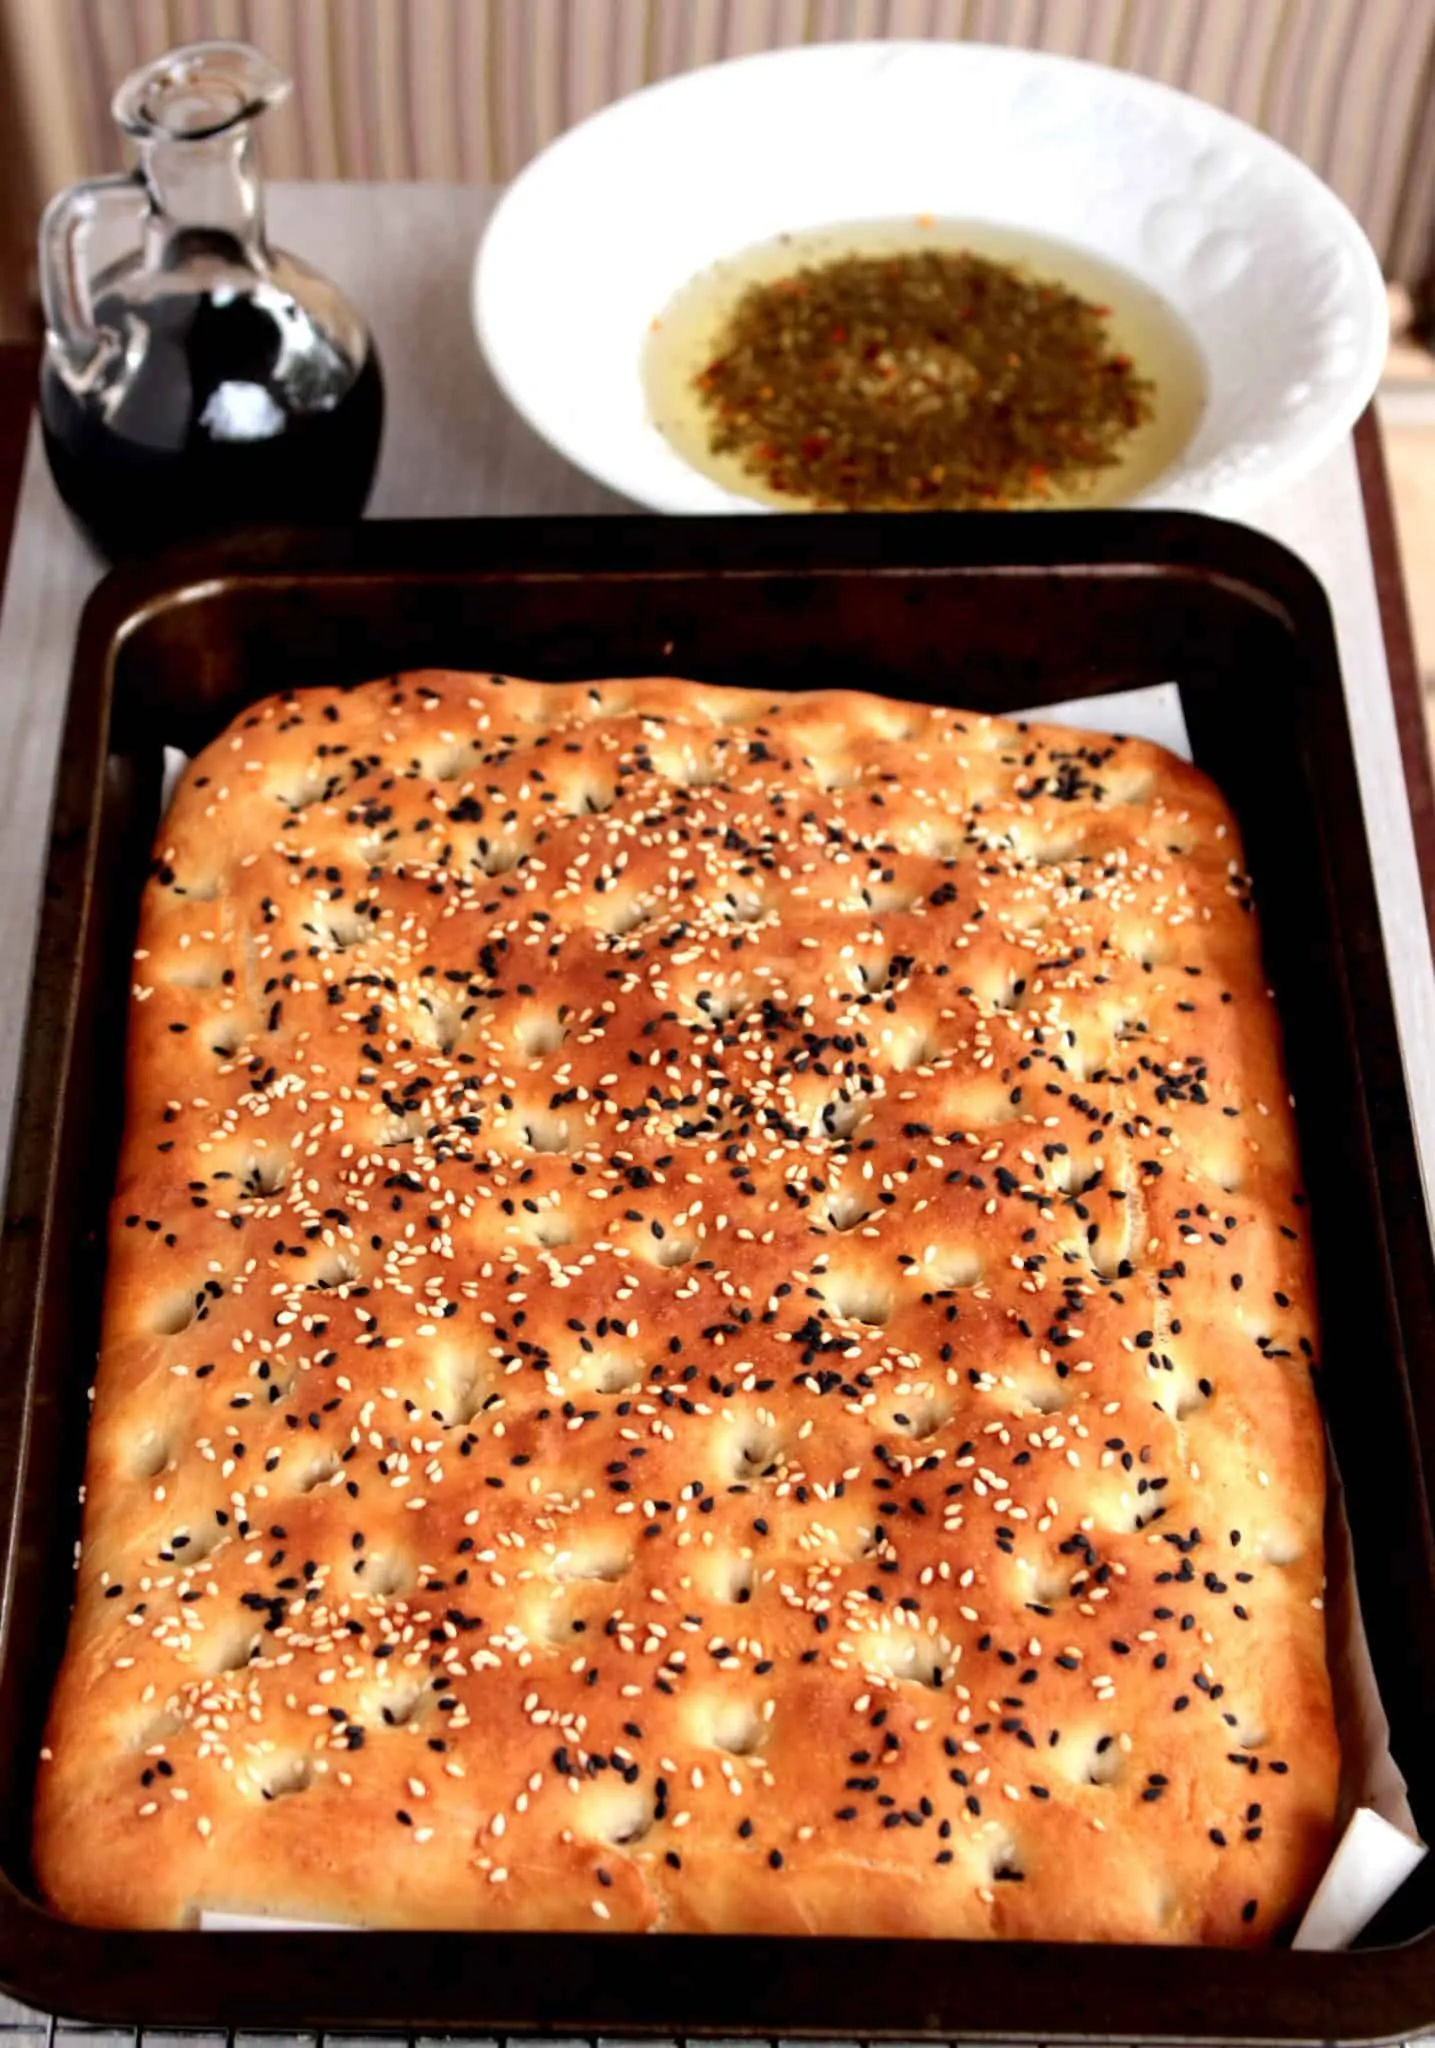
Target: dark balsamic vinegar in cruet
x=205 y=382
x=200 y=441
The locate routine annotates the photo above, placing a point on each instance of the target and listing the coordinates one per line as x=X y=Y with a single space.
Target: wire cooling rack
x=22 y=2028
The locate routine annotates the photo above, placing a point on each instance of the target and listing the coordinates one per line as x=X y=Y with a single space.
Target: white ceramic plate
x=1267 y=269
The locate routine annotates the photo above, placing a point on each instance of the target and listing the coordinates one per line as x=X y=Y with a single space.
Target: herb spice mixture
x=924 y=379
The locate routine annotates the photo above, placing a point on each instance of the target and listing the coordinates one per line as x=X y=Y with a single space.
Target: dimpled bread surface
x=709 y=1327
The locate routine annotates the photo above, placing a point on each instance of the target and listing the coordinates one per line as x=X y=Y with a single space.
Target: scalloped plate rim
x=591 y=422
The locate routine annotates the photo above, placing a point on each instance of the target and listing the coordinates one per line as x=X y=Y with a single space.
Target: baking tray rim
x=1261 y=572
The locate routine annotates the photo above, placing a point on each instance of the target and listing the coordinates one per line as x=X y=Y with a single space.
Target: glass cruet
x=203 y=381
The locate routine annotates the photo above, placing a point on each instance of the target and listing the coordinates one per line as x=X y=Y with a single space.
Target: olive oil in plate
x=1017 y=371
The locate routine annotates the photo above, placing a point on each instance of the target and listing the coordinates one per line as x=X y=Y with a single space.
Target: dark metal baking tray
x=989 y=612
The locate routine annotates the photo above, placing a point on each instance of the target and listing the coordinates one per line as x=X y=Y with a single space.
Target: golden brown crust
x=708 y=1327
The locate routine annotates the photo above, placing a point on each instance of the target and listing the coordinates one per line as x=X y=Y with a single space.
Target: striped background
x=469 y=89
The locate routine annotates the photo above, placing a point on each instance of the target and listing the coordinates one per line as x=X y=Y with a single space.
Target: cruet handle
x=76 y=344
